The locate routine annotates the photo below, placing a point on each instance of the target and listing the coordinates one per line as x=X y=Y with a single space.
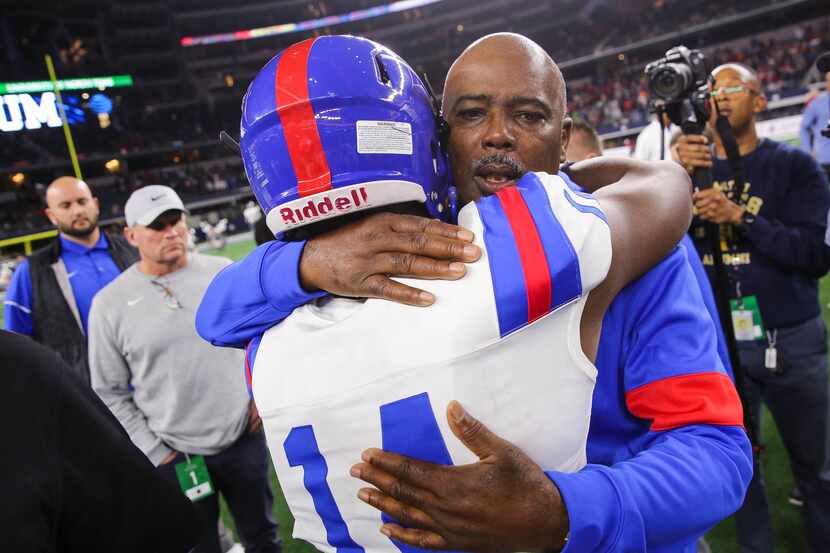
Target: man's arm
x=110 y=378
x=660 y=189
x=356 y=260
x=808 y=121
x=648 y=206
x=691 y=464
x=649 y=209
x=17 y=307
x=248 y=297
x=796 y=241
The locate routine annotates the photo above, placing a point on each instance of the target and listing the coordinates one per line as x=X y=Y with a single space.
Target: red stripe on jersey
x=298 y=122
x=248 y=375
x=703 y=398
x=531 y=252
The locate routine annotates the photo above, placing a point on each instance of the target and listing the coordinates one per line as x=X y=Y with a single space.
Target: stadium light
x=307 y=25
x=113 y=166
x=18 y=179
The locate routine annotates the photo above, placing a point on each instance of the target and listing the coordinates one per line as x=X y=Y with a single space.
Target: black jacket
x=781 y=255
x=55 y=320
x=71 y=478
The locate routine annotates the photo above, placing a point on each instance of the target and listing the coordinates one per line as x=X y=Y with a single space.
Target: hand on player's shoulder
x=358 y=259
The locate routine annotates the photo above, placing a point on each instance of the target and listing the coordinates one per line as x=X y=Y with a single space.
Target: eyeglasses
x=731 y=90
x=169 y=298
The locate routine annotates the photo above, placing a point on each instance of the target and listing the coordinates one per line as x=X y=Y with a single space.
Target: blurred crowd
x=22 y=210
x=619 y=97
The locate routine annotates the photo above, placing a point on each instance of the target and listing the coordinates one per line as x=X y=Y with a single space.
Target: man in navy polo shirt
x=772 y=229
x=51 y=292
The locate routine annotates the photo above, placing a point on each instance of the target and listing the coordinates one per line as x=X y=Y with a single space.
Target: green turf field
x=786 y=519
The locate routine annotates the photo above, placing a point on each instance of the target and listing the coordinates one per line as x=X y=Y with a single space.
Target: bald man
x=772 y=227
x=667 y=455
x=51 y=292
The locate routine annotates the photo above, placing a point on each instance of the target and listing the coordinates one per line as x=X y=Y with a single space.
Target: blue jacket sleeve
x=806 y=131
x=669 y=455
x=686 y=481
x=796 y=242
x=17 y=307
x=248 y=297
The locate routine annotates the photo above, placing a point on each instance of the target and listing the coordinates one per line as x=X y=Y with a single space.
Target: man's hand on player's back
x=464 y=508
x=356 y=260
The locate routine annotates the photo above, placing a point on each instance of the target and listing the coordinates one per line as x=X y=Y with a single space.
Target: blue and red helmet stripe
x=298 y=120
x=312 y=111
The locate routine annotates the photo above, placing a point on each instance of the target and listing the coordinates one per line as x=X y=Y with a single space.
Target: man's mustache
x=516 y=169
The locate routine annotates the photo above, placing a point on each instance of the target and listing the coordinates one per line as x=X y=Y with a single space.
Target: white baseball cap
x=145 y=204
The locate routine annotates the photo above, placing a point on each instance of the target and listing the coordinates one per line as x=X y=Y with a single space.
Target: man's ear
x=760 y=103
x=51 y=216
x=567 y=126
x=129 y=234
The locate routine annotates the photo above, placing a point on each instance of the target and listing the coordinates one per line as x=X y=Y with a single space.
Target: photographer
x=771 y=234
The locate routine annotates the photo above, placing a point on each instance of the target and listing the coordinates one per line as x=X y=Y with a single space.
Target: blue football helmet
x=338 y=124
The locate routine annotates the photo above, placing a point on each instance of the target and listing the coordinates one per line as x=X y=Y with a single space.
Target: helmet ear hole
x=383 y=75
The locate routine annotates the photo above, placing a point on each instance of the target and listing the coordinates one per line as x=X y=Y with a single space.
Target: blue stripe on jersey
x=566 y=280
x=509 y=285
x=301 y=449
x=409 y=428
x=582 y=207
x=567 y=178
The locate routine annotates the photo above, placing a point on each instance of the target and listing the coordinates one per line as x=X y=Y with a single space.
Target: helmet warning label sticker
x=384 y=137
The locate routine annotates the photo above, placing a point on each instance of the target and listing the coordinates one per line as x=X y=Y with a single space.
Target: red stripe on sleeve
x=298 y=122
x=248 y=376
x=703 y=398
x=531 y=252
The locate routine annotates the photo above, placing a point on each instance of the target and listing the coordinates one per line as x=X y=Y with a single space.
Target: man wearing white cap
x=183 y=402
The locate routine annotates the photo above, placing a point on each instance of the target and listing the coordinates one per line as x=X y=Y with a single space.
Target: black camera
x=677 y=75
x=678 y=84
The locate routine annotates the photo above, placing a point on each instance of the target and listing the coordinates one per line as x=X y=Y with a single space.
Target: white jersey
x=341 y=375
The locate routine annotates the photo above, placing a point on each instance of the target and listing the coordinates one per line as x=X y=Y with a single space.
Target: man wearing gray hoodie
x=183 y=403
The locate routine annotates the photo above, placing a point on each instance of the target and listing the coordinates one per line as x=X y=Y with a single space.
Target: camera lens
x=670 y=81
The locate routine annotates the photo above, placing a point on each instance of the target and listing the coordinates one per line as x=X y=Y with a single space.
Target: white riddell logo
x=73 y=273
x=131 y=303
x=327 y=207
